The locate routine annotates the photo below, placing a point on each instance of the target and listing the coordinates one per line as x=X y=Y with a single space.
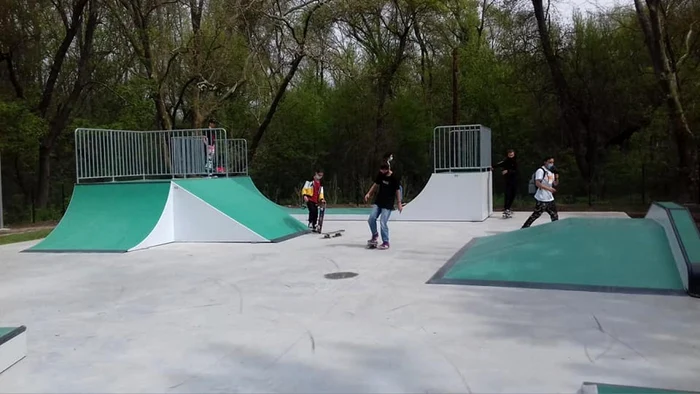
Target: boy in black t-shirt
x=388 y=186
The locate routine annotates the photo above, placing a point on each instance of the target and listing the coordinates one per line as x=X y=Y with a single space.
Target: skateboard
x=372 y=244
x=507 y=215
x=319 y=227
x=333 y=234
x=321 y=214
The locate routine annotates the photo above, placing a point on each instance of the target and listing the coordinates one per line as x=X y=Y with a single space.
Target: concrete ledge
x=13 y=346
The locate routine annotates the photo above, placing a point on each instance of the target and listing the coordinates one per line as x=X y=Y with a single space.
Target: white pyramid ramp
x=197 y=221
x=458 y=197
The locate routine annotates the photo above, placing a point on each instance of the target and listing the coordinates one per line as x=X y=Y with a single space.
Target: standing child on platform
x=210 y=147
x=313 y=195
x=544 y=196
x=388 y=190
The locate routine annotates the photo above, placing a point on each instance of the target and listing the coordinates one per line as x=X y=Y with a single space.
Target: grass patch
x=24 y=236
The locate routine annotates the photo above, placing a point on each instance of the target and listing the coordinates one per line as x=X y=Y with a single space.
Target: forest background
x=613 y=94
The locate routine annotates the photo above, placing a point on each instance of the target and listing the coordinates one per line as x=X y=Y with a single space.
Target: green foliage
x=377 y=76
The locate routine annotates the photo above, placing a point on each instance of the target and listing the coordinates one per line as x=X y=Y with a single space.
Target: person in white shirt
x=544 y=180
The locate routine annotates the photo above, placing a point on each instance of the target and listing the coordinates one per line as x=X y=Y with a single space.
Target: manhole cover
x=340 y=275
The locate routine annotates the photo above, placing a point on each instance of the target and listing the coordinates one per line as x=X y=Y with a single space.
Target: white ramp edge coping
x=13 y=346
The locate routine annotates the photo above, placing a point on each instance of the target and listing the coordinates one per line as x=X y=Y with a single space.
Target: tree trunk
x=44 y=179
x=653 y=24
x=382 y=94
x=574 y=117
x=273 y=106
x=63 y=112
x=455 y=87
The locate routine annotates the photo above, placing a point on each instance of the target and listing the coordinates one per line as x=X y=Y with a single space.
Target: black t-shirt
x=388 y=185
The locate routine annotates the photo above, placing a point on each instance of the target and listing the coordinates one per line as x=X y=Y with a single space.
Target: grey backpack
x=532 y=186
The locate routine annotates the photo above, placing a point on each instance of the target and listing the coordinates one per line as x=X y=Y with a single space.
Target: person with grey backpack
x=542 y=186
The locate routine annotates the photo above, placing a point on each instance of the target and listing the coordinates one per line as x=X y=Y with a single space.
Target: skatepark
x=211 y=287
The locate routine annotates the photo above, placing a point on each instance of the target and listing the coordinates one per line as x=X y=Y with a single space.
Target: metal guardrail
x=112 y=155
x=236 y=156
x=461 y=148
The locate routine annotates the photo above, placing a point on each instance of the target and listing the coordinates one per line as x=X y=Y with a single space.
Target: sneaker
x=374 y=238
x=384 y=245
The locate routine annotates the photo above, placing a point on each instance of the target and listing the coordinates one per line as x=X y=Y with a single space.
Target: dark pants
x=313 y=212
x=511 y=191
x=549 y=207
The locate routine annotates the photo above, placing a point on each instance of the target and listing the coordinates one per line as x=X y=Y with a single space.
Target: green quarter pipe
x=112 y=217
x=123 y=217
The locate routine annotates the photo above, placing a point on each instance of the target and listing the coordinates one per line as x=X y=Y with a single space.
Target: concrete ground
x=262 y=318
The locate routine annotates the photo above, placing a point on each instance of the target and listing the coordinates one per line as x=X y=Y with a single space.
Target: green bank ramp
x=111 y=217
x=586 y=254
x=246 y=206
x=601 y=388
x=684 y=240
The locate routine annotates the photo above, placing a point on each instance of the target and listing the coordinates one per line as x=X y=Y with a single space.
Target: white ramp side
x=457 y=197
x=13 y=346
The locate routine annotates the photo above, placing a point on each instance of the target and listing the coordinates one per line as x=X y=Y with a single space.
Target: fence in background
x=461 y=148
x=114 y=155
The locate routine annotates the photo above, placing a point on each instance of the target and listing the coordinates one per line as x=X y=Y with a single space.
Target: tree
x=382 y=29
x=296 y=21
x=653 y=19
x=62 y=90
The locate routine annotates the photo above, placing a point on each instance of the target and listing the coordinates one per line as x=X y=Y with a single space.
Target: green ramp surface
x=247 y=207
x=589 y=254
x=247 y=182
x=112 y=217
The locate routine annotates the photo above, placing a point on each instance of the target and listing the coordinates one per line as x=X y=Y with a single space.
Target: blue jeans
x=383 y=214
